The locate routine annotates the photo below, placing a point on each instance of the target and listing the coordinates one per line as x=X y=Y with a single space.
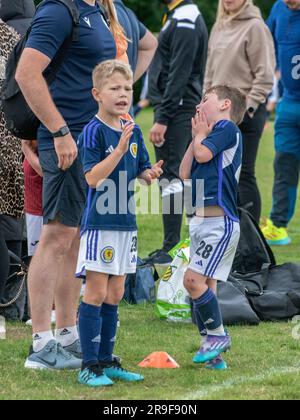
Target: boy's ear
x=96 y=94
x=225 y=105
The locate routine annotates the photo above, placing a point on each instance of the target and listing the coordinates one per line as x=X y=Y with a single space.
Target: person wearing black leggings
x=252 y=129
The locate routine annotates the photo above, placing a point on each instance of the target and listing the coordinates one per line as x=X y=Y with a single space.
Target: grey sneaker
x=75 y=349
x=52 y=357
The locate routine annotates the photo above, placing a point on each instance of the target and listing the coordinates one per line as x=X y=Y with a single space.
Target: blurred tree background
x=150 y=11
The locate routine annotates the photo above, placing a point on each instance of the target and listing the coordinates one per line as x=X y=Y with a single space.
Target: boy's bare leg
x=96 y=288
x=115 y=290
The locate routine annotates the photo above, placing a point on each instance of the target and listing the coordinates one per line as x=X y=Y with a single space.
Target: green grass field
x=264 y=362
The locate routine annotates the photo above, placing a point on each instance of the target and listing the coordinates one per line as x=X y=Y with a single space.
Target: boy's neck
x=223 y=116
x=113 y=121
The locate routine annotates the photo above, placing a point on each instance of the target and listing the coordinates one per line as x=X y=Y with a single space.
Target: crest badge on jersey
x=133 y=150
x=108 y=254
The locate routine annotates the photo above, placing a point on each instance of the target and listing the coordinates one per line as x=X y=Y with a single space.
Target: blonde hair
x=223 y=15
x=106 y=69
x=115 y=27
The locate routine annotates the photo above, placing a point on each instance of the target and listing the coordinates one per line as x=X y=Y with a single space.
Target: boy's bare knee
x=189 y=281
x=114 y=296
x=95 y=299
x=194 y=282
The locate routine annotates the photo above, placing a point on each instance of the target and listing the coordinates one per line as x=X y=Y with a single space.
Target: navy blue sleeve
x=52 y=25
x=90 y=148
x=143 y=155
x=222 y=137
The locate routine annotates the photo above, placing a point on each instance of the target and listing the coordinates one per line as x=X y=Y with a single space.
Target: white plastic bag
x=173 y=301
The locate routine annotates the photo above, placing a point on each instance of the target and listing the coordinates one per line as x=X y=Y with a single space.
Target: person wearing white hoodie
x=241 y=53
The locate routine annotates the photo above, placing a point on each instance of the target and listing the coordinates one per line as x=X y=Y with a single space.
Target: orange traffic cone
x=159 y=360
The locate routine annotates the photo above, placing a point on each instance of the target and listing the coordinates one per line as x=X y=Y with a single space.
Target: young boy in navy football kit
x=215 y=157
x=113 y=154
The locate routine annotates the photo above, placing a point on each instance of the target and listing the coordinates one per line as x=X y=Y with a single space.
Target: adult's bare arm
x=147 y=47
x=29 y=76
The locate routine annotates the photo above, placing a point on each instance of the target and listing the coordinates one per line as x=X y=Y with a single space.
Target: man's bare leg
x=45 y=270
x=67 y=295
x=67 y=292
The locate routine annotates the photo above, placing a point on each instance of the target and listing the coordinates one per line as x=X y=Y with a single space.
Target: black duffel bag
x=274 y=291
x=235 y=306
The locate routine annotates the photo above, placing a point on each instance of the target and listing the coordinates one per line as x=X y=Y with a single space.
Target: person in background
x=142 y=43
x=284 y=23
x=17 y=13
x=143 y=100
x=117 y=31
x=134 y=42
x=241 y=54
x=15 y=18
x=33 y=188
x=175 y=87
x=33 y=183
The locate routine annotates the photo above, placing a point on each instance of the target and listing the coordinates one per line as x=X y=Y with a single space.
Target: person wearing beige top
x=241 y=54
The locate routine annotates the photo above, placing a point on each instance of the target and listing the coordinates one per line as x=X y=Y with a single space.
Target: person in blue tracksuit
x=284 y=23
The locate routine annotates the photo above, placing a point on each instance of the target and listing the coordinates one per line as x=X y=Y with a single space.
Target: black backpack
x=20 y=120
x=253 y=251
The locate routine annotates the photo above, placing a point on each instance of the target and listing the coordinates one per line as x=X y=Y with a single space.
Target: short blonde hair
x=106 y=69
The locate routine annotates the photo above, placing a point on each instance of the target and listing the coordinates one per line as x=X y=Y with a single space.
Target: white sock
x=41 y=339
x=219 y=331
x=67 y=336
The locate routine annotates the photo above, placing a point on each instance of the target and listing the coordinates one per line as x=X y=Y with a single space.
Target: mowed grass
x=264 y=361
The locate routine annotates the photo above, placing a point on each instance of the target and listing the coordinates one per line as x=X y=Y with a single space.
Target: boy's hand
x=200 y=126
x=156 y=170
x=152 y=174
x=124 y=140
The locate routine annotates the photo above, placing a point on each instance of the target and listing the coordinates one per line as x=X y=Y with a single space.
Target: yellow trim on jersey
x=165 y=17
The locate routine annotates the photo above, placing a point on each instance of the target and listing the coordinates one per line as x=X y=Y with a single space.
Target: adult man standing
x=284 y=23
x=63 y=109
x=142 y=43
x=175 y=87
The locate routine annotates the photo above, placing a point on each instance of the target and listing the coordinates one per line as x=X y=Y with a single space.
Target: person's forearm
x=102 y=170
x=143 y=63
x=202 y=153
x=146 y=50
x=36 y=92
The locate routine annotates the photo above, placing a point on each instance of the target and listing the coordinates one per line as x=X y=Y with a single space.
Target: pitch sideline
x=199 y=395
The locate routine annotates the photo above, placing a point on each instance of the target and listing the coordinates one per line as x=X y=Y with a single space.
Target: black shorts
x=64 y=192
